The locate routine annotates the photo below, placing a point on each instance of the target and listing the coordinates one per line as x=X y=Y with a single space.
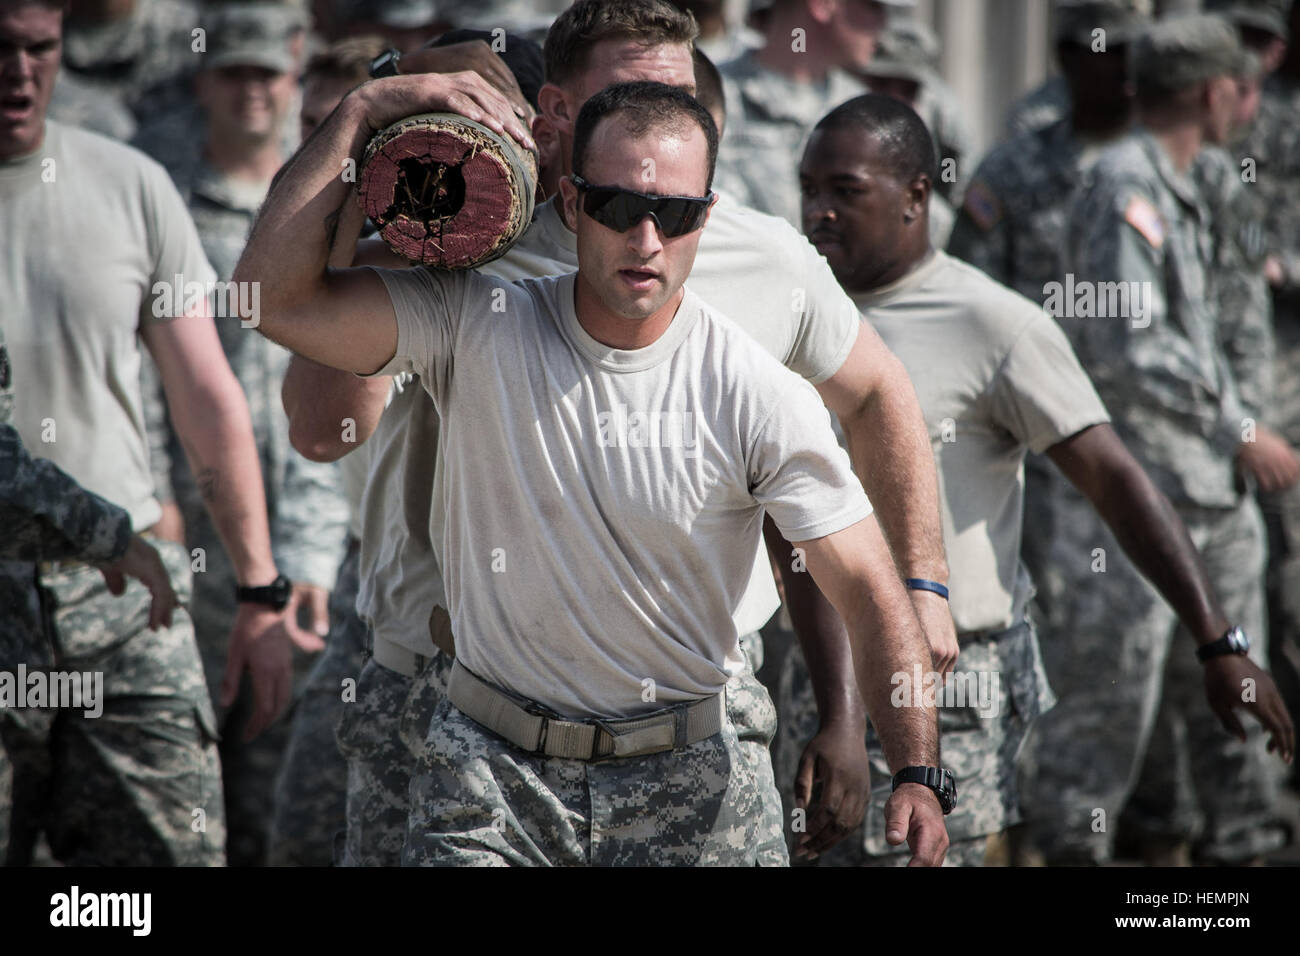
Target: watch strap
x=274 y=595
x=937 y=779
x=1224 y=646
x=385 y=64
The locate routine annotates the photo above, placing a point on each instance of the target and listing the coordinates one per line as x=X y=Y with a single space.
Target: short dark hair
x=347 y=59
x=581 y=26
x=905 y=142
x=642 y=106
x=708 y=84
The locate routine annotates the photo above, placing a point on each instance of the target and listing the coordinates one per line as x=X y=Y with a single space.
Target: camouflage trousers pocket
x=87 y=620
x=369 y=724
x=428 y=688
x=750 y=708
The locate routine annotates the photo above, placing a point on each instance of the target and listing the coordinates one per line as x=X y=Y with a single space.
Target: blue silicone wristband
x=921 y=584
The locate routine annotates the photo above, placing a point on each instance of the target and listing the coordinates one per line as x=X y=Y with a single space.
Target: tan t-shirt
x=996 y=377
x=90 y=227
x=600 y=506
x=753 y=268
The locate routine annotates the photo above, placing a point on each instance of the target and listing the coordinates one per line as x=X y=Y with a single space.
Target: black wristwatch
x=275 y=595
x=385 y=64
x=937 y=779
x=1234 y=642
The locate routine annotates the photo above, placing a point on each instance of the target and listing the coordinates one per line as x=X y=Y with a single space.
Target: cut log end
x=444 y=192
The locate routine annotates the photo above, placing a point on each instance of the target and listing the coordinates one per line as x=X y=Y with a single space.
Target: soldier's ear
x=916 y=198
x=557 y=108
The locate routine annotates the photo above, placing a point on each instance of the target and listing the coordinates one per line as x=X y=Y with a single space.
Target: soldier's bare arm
x=890 y=448
x=854 y=570
x=837 y=756
x=1155 y=539
x=343 y=318
x=332 y=412
x=211 y=417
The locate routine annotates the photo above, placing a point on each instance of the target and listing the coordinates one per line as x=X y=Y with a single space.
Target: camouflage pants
x=383 y=744
x=478 y=800
x=998 y=690
x=379 y=735
x=1126 y=673
x=1282 y=513
x=752 y=713
x=250 y=767
x=140 y=784
x=311 y=788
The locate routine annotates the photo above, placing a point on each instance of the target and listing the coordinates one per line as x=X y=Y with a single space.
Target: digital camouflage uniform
x=768 y=118
x=144 y=59
x=310 y=788
x=981 y=749
x=1174 y=401
x=382 y=737
x=44 y=514
x=307 y=513
x=1274 y=146
x=386 y=735
x=478 y=800
x=1011 y=225
x=1039 y=108
x=61 y=615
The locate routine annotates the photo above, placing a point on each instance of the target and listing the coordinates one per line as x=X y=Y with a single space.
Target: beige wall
x=993 y=52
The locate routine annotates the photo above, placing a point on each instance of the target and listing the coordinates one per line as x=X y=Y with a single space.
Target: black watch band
x=1233 y=642
x=274 y=595
x=937 y=779
x=385 y=64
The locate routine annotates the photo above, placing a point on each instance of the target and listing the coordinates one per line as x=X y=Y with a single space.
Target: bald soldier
x=1140 y=224
x=996 y=379
x=545 y=750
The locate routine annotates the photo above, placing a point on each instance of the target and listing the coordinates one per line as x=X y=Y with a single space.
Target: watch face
x=1238 y=640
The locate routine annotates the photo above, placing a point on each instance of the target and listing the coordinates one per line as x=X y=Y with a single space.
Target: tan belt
x=396 y=657
x=523 y=723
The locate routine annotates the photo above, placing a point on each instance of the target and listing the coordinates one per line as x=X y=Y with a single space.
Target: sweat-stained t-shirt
x=602 y=506
x=996 y=377
x=753 y=268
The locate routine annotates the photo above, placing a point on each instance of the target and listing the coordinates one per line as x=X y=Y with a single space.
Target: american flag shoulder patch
x=1146 y=219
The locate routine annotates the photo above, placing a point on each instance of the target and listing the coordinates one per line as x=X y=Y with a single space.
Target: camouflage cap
x=251 y=34
x=906 y=48
x=1076 y=20
x=1184 y=50
x=398 y=14
x=1268 y=15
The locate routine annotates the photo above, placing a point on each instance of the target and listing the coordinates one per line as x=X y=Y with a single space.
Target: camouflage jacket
x=1139 y=235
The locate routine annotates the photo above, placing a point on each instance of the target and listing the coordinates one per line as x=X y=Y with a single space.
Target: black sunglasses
x=621 y=209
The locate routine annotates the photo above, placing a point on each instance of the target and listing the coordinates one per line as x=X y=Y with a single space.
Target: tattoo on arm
x=208 y=480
